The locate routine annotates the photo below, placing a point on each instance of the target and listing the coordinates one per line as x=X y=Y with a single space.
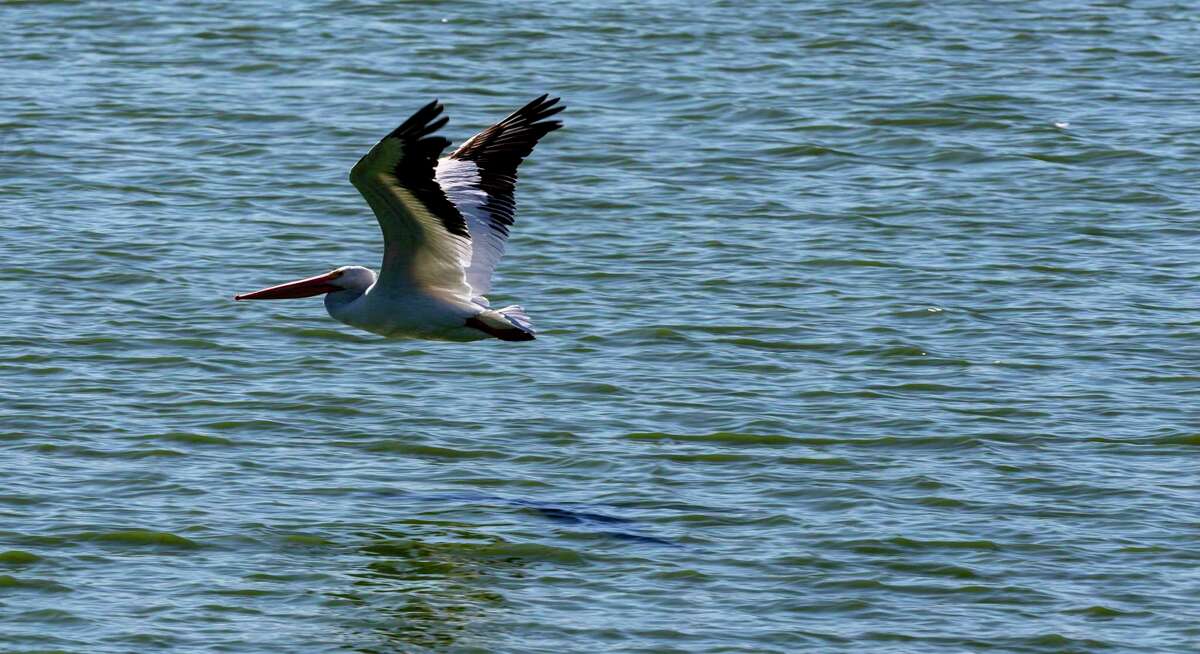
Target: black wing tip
x=438 y=142
x=426 y=121
x=436 y=125
x=503 y=146
x=538 y=109
x=422 y=123
x=430 y=110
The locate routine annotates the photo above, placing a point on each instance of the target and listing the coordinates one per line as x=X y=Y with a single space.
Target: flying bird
x=445 y=222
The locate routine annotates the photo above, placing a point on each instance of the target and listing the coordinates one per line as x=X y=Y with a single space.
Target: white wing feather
x=460 y=180
x=480 y=178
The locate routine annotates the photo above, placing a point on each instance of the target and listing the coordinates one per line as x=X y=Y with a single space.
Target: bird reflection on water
x=433 y=583
x=423 y=582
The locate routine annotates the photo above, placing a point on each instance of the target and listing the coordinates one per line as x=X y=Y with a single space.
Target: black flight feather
x=499 y=149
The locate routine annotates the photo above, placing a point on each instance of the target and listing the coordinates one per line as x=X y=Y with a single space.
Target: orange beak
x=300 y=288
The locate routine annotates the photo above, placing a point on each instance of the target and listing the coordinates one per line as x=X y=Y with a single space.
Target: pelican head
x=347 y=278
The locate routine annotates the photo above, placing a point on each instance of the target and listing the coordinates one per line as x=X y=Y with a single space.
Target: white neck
x=354 y=282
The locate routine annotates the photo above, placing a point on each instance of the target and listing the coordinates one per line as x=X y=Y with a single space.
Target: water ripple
x=864 y=327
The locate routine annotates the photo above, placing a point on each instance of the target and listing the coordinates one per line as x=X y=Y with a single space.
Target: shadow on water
x=427 y=584
x=432 y=583
x=598 y=523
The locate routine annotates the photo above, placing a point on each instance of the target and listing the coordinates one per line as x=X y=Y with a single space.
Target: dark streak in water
x=869 y=327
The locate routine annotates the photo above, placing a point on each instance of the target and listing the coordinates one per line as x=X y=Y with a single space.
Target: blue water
x=863 y=328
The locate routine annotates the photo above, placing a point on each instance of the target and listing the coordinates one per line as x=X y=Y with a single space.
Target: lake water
x=865 y=327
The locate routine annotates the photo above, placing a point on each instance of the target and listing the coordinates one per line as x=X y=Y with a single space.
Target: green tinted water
x=863 y=328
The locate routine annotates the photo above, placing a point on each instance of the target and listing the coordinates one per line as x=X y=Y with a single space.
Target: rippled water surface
x=866 y=327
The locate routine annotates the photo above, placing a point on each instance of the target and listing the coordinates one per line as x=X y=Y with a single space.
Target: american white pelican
x=444 y=225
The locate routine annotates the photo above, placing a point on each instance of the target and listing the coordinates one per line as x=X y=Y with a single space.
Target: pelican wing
x=481 y=175
x=426 y=239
